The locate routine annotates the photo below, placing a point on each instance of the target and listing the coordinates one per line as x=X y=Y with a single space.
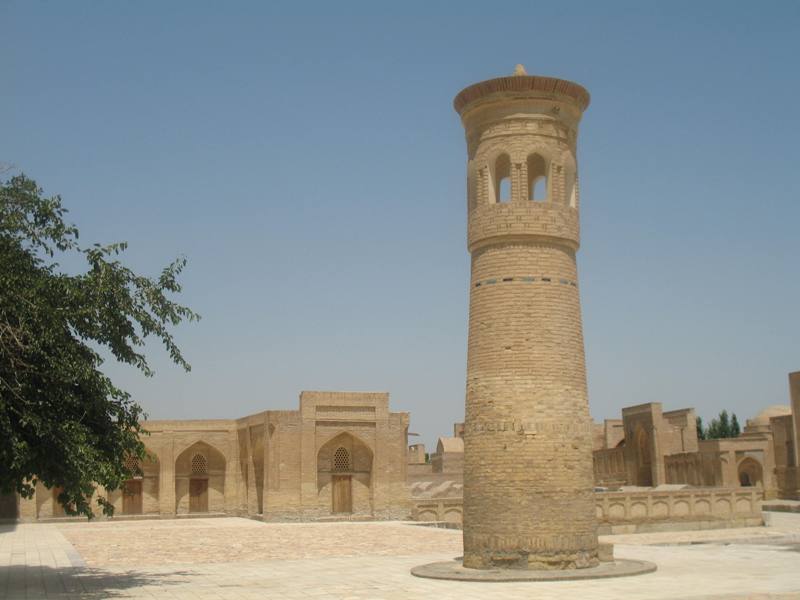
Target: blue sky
x=307 y=160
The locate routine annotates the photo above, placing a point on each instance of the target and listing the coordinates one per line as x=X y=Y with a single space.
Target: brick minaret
x=528 y=500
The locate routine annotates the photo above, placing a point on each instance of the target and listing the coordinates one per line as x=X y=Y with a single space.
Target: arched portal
x=139 y=494
x=344 y=476
x=200 y=479
x=750 y=473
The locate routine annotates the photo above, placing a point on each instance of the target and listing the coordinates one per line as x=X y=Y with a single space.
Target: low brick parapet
x=647 y=510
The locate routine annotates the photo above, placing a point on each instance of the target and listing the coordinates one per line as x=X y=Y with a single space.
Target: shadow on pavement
x=27 y=581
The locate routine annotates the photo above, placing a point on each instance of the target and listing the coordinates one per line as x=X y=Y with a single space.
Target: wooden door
x=342 y=494
x=132 y=497
x=198 y=495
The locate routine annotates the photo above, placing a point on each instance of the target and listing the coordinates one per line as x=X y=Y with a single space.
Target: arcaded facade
x=528 y=499
x=341 y=456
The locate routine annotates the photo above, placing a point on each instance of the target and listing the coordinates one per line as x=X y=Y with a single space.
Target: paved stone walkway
x=350 y=561
x=145 y=543
x=35 y=560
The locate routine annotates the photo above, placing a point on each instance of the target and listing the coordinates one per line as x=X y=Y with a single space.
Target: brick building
x=341 y=455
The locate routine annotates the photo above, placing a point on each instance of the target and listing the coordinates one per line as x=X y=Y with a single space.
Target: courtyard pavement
x=231 y=558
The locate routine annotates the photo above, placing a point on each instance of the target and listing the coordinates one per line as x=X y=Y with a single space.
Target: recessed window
x=505 y=190
x=537 y=178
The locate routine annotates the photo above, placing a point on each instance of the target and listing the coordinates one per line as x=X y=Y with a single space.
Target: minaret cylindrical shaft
x=528 y=483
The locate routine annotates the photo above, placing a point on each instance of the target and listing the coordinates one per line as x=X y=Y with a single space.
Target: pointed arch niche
x=200 y=480
x=140 y=494
x=344 y=476
x=750 y=473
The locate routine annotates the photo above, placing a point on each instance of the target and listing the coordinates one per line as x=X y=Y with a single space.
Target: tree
x=701 y=434
x=724 y=424
x=735 y=429
x=721 y=427
x=62 y=421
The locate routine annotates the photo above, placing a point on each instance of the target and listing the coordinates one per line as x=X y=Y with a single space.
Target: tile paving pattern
x=144 y=543
x=238 y=558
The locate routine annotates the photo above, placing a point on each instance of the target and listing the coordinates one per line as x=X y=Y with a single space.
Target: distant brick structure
x=528 y=500
x=650 y=435
x=416 y=454
x=449 y=457
x=660 y=448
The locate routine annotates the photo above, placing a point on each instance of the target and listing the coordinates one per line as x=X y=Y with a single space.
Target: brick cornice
x=522 y=83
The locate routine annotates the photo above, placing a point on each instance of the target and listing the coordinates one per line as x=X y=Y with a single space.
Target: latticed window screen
x=341 y=460
x=199 y=465
x=132 y=464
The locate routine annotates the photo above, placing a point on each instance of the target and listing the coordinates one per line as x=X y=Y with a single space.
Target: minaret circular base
x=455 y=571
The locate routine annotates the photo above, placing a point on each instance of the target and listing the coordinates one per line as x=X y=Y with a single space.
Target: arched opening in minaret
x=537 y=178
x=502 y=178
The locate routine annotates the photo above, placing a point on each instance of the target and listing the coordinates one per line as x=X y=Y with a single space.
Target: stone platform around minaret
x=455 y=571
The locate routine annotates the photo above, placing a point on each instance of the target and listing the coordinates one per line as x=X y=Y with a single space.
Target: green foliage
x=721 y=427
x=701 y=434
x=62 y=421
